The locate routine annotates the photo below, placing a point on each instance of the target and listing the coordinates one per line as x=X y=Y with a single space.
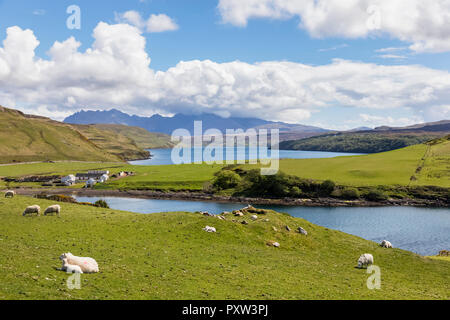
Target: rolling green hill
x=114 y=141
x=25 y=138
x=143 y=138
x=418 y=165
x=169 y=256
x=360 y=142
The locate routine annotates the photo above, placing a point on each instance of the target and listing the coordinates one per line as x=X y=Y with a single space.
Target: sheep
x=32 y=209
x=70 y=268
x=273 y=244
x=10 y=194
x=238 y=214
x=209 y=229
x=254 y=217
x=302 y=231
x=53 y=209
x=385 y=244
x=365 y=259
x=87 y=265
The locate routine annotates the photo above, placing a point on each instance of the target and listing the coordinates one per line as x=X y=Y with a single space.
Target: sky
x=338 y=64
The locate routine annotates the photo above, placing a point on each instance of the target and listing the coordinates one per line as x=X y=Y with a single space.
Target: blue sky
x=206 y=32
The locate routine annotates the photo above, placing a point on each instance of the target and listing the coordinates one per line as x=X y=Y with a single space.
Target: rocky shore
x=200 y=196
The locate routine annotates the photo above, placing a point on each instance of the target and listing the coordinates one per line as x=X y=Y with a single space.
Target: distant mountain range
x=158 y=123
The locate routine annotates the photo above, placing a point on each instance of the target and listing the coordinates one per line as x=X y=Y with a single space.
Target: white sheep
x=365 y=259
x=32 y=209
x=70 y=268
x=385 y=244
x=302 y=231
x=10 y=194
x=209 y=229
x=87 y=265
x=53 y=209
x=254 y=217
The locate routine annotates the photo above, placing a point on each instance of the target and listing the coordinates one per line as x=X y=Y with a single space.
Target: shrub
x=57 y=197
x=296 y=191
x=376 y=195
x=327 y=187
x=101 y=204
x=350 y=193
x=226 y=179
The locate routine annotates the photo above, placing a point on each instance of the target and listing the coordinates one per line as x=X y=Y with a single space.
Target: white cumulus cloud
x=155 y=22
x=423 y=24
x=116 y=72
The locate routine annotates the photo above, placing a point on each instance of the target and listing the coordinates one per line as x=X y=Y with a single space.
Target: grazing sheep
x=53 y=209
x=238 y=214
x=209 y=229
x=70 y=268
x=10 y=194
x=302 y=231
x=365 y=259
x=273 y=244
x=87 y=265
x=385 y=244
x=32 y=209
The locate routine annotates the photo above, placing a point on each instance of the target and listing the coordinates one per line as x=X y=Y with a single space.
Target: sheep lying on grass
x=32 y=209
x=10 y=194
x=385 y=244
x=53 y=209
x=87 y=265
x=365 y=260
x=70 y=268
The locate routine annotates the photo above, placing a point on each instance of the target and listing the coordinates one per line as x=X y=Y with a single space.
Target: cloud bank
x=423 y=24
x=116 y=72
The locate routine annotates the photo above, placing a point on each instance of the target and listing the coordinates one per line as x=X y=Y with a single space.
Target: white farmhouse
x=69 y=180
x=103 y=178
x=90 y=183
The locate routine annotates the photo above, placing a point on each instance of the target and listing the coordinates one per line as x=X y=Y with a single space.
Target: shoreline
x=200 y=196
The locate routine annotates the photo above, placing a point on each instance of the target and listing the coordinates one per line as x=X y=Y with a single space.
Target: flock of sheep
x=70 y=263
x=364 y=260
x=74 y=264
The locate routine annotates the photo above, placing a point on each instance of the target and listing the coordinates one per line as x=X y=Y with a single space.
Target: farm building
x=69 y=180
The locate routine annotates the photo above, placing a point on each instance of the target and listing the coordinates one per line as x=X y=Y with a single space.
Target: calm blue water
x=421 y=230
x=164 y=156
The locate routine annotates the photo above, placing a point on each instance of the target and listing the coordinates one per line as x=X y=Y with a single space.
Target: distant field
x=389 y=168
x=169 y=256
x=170 y=177
x=419 y=165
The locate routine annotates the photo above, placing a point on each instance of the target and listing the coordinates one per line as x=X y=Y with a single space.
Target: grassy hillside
x=143 y=138
x=389 y=168
x=26 y=138
x=367 y=142
x=114 y=141
x=169 y=256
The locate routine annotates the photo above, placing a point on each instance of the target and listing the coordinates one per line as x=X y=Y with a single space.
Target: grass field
x=428 y=164
x=168 y=256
